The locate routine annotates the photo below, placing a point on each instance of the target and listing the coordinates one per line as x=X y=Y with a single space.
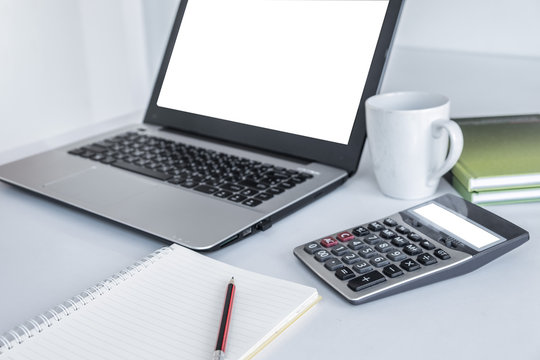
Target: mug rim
x=400 y=101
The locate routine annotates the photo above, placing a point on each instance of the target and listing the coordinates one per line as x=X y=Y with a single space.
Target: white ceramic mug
x=408 y=135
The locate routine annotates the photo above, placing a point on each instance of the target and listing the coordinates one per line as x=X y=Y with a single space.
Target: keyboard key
x=409 y=265
x=400 y=241
x=372 y=239
x=412 y=249
x=140 y=170
x=253 y=184
x=392 y=271
x=222 y=194
x=375 y=226
x=441 y=254
x=252 y=202
x=396 y=255
x=356 y=244
x=205 y=189
x=264 y=196
x=351 y=258
x=333 y=264
x=322 y=255
x=427 y=245
x=367 y=252
x=402 y=230
x=189 y=184
x=364 y=281
x=426 y=259
x=390 y=222
x=248 y=192
x=237 y=198
x=362 y=267
x=345 y=236
x=312 y=247
x=340 y=250
x=360 y=231
x=329 y=242
x=231 y=187
x=286 y=185
x=344 y=273
x=383 y=247
x=379 y=261
x=414 y=237
x=387 y=234
x=275 y=191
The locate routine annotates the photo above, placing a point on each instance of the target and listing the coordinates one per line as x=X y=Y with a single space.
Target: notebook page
x=172 y=310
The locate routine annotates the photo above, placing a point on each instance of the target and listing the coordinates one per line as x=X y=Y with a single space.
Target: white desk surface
x=49 y=252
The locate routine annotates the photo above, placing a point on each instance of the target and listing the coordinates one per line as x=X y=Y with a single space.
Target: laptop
x=257 y=110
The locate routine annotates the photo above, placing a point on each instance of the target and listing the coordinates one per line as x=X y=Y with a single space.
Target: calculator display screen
x=466 y=231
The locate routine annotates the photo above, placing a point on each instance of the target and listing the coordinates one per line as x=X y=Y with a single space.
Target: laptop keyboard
x=225 y=176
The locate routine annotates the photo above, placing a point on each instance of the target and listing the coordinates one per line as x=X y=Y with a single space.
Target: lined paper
x=172 y=310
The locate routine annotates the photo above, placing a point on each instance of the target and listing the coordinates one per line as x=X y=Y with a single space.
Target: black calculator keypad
x=373 y=254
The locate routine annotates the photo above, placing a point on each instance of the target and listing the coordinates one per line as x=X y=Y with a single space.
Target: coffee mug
x=409 y=134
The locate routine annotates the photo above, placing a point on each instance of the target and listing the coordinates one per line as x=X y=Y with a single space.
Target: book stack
x=500 y=162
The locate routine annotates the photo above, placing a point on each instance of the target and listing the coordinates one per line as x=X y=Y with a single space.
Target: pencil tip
x=232 y=280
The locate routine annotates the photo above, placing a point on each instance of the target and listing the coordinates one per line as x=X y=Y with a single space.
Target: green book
x=499 y=153
x=493 y=197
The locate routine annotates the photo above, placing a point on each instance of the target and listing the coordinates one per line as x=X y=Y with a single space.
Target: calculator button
x=329 y=242
x=414 y=237
x=383 y=247
x=351 y=258
x=340 y=250
x=392 y=271
x=333 y=264
x=427 y=245
x=402 y=230
x=379 y=261
x=400 y=241
x=345 y=236
x=426 y=259
x=389 y=222
x=360 y=231
x=344 y=273
x=322 y=255
x=409 y=265
x=441 y=254
x=372 y=239
x=312 y=247
x=396 y=255
x=388 y=234
x=362 y=267
x=364 y=281
x=375 y=226
x=356 y=244
x=367 y=252
x=412 y=249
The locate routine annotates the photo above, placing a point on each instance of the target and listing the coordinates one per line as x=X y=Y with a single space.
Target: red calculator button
x=345 y=236
x=329 y=242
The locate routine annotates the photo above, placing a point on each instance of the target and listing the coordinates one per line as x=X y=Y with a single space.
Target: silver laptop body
x=195 y=216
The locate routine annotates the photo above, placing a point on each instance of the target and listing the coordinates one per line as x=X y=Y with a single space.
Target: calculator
x=439 y=239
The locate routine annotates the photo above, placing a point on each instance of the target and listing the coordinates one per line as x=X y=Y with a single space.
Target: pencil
x=219 y=353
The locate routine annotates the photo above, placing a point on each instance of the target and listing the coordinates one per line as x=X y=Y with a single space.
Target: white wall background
x=68 y=63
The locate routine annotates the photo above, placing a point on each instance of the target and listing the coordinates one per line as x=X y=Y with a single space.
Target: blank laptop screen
x=296 y=66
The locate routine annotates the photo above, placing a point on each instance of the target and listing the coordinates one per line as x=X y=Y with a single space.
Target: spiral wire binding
x=42 y=321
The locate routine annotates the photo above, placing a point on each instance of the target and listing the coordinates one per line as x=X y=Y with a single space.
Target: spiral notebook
x=166 y=306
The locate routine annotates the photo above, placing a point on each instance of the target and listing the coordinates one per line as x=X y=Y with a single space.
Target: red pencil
x=219 y=353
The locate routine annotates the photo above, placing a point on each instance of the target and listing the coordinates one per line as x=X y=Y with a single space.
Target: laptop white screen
x=296 y=66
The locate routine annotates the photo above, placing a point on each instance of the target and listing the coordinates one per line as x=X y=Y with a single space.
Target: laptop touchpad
x=96 y=187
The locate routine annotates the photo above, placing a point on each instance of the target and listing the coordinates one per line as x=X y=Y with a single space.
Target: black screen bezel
x=338 y=155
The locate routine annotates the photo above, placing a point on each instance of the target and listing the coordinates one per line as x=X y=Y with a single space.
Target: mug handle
x=456 y=146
